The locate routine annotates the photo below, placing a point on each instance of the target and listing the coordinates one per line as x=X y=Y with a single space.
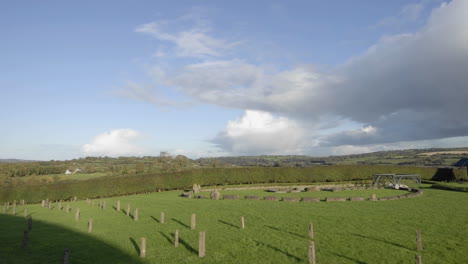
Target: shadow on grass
x=47 y=242
x=135 y=245
x=291 y=233
x=348 y=258
x=179 y=222
x=187 y=246
x=279 y=250
x=167 y=237
x=229 y=224
x=381 y=240
x=155 y=219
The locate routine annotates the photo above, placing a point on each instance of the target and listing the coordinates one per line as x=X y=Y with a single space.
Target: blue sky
x=217 y=78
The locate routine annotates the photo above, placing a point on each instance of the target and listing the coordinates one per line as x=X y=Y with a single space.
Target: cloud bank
x=406 y=87
x=118 y=142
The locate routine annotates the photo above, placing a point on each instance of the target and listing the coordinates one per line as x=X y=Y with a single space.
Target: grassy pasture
x=276 y=232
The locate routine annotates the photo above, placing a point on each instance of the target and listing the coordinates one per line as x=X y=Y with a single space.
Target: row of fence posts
x=202 y=236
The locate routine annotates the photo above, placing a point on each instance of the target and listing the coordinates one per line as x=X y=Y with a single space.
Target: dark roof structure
x=462 y=163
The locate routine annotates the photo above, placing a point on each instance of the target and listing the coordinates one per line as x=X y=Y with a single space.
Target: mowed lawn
x=275 y=232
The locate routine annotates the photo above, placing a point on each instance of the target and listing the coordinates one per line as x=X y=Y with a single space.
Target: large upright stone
x=214 y=195
x=196 y=188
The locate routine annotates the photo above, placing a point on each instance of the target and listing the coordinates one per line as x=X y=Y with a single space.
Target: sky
x=223 y=78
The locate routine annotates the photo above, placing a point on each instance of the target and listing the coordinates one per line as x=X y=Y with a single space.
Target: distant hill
x=14 y=160
x=410 y=157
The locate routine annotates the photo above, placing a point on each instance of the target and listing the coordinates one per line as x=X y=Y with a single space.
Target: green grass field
x=275 y=232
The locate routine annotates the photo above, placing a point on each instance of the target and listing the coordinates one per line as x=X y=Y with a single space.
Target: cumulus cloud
x=258 y=132
x=118 y=142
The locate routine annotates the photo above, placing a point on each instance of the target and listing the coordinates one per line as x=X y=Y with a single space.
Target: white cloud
x=194 y=42
x=258 y=132
x=118 y=142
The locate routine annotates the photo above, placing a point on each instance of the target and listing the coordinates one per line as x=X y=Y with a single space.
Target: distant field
x=444 y=152
x=275 y=232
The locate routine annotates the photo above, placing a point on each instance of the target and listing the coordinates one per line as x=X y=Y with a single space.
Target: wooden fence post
x=242 y=222
x=118 y=206
x=135 y=217
x=77 y=214
x=24 y=244
x=90 y=225
x=143 y=247
x=66 y=256
x=201 y=244
x=311 y=231
x=193 y=222
x=30 y=223
x=176 y=238
x=311 y=252
x=161 y=218
x=418 y=240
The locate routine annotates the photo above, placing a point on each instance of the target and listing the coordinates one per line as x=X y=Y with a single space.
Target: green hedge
x=113 y=186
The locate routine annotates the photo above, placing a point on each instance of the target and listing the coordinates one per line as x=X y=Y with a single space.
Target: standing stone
x=22 y=202
x=311 y=252
x=68 y=208
x=214 y=195
x=128 y=210
x=193 y=221
x=242 y=222
x=143 y=247
x=418 y=240
x=311 y=231
x=161 y=218
x=14 y=203
x=104 y=205
x=201 y=244
x=43 y=203
x=24 y=244
x=77 y=214
x=59 y=207
x=7 y=205
x=25 y=212
x=373 y=197
x=74 y=199
x=4 y=208
x=30 y=223
x=176 y=238
x=118 y=206
x=196 y=188
x=92 y=203
x=14 y=209
x=135 y=217
x=90 y=225
x=66 y=256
